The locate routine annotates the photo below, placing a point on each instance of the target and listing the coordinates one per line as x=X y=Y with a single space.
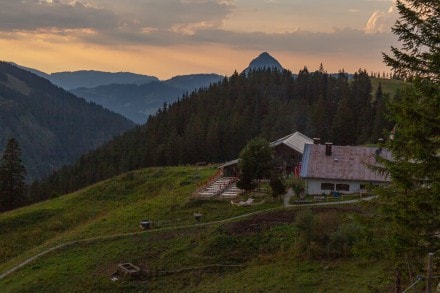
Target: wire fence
x=418 y=280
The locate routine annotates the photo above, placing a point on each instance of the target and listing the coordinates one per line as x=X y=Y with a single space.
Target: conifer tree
x=418 y=28
x=343 y=127
x=12 y=177
x=379 y=115
x=411 y=205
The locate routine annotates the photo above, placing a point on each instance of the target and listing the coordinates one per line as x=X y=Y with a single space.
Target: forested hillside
x=52 y=126
x=214 y=124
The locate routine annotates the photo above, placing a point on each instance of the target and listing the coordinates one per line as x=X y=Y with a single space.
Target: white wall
x=313 y=186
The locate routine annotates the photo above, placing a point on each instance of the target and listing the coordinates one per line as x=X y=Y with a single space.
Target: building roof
x=295 y=141
x=344 y=163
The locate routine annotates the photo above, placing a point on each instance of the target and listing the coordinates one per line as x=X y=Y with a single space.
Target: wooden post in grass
x=398 y=287
x=429 y=276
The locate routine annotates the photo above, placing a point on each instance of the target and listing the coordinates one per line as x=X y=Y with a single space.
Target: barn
x=287 y=152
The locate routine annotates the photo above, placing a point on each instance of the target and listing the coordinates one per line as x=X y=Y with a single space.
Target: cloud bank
x=233 y=24
x=38 y=15
x=175 y=22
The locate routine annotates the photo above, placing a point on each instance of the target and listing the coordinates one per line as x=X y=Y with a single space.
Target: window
x=327 y=186
x=363 y=186
x=342 y=187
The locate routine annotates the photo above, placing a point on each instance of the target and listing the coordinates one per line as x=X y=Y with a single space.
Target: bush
x=322 y=235
x=277 y=185
x=342 y=240
x=297 y=186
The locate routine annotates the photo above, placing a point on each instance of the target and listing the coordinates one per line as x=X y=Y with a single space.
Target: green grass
x=268 y=256
x=111 y=207
x=269 y=263
x=389 y=86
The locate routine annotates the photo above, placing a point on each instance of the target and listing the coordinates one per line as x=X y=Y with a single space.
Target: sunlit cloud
x=381 y=21
x=191 y=28
x=148 y=30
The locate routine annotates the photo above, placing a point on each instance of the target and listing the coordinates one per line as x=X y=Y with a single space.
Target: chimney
x=316 y=140
x=328 y=148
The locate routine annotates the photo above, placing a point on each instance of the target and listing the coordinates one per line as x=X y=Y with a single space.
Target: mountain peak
x=264 y=55
x=264 y=61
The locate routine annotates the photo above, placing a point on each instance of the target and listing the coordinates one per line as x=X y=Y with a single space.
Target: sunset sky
x=165 y=38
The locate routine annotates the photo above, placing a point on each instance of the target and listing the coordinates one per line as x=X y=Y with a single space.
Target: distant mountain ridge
x=137 y=102
x=135 y=96
x=53 y=127
x=133 y=101
x=91 y=78
x=191 y=82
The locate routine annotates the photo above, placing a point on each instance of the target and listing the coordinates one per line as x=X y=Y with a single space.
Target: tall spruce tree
x=12 y=177
x=411 y=205
x=418 y=28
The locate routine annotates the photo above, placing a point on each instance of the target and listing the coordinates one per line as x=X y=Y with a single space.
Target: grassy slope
x=389 y=86
x=117 y=205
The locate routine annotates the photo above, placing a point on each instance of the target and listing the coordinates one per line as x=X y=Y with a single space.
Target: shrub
x=342 y=240
x=277 y=185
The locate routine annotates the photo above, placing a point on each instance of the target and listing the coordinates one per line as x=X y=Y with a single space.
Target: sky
x=166 y=38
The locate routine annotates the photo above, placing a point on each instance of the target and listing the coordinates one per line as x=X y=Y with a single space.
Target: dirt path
x=286 y=204
x=287 y=197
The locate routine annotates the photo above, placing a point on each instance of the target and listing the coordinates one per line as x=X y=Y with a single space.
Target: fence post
x=398 y=287
x=429 y=273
